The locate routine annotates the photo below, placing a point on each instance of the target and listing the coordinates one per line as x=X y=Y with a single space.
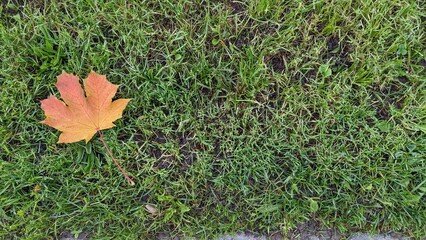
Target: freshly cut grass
x=245 y=115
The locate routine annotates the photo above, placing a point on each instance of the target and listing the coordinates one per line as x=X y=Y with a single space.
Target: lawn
x=245 y=116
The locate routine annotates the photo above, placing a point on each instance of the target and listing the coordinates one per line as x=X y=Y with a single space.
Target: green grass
x=235 y=122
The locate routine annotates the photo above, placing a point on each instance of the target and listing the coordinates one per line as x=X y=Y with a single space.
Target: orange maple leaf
x=80 y=117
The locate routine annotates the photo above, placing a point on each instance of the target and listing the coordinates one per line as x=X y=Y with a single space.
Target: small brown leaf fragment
x=36 y=188
x=151 y=209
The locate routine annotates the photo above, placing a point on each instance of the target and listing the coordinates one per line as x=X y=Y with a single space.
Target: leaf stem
x=115 y=160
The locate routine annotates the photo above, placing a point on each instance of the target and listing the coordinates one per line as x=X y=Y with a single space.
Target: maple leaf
x=80 y=117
